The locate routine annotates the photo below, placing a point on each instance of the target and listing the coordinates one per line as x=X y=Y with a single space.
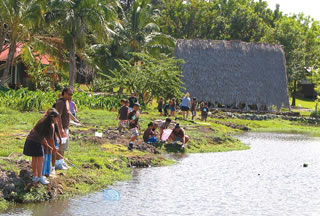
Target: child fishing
x=41 y=135
x=133 y=119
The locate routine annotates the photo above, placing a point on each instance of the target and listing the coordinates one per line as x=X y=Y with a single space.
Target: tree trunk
x=3 y=35
x=9 y=62
x=72 y=64
x=294 y=93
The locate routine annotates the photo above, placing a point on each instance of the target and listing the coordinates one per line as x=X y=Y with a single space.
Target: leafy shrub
x=100 y=85
x=3 y=204
x=25 y=100
x=315 y=114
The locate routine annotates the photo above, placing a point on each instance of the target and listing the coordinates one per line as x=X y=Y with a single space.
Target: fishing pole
x=68 y=161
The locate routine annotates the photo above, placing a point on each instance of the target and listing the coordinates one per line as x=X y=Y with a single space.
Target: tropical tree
x=3 y=33
x=139 y=32
x=142 y=33
x=245 y=20
x=148 y=76
x=19 y=20
x=76 y=20
x=299 y=36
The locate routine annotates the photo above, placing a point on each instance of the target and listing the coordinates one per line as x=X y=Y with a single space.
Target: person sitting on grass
x=133 y=119
x=164 y=125
x=178 y=134
x=204 y=112
x=150 y=136
x=123 y=115
x=41 y=135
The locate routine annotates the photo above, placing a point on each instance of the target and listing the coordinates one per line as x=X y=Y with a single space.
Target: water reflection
x=268 y=179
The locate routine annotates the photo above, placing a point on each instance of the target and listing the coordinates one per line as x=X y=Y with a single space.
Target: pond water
x=268 y=179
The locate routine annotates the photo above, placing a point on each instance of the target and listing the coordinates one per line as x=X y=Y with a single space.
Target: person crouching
x=150 y=135
x=178 y=134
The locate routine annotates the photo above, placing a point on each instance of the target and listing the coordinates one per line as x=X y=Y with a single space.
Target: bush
x=315 y=114
x=25 y=100
x=3 y=204
x=100 y=85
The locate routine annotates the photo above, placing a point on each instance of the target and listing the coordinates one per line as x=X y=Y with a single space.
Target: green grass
x=304 y=103
x=278 y=125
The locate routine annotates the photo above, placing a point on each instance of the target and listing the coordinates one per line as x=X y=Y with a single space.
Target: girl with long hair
x=41 y=135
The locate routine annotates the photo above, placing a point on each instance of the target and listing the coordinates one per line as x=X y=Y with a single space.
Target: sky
x=308 y=7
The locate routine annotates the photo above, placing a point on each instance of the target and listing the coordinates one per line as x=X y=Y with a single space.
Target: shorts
x=165 y=111
x=172 y=109
x=134 y=132
x=123 y=123
x=46 y=164
x=184 y=108
x=33 y=149
x=178 y=139
x=56 y=144
x=152 y=140
x=160 y=110
x=194 y=113
x=204 y=116
x=65 y=146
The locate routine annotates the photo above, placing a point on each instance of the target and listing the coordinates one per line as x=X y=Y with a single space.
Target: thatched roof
x=234 y=72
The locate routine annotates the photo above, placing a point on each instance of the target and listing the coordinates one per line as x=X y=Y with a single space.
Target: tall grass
x=26 y=100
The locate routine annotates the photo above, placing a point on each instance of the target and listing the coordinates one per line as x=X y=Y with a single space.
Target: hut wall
x=234 y=72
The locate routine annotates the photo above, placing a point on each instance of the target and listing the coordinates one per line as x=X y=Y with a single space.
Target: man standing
x=63 y=125
x=133 y=119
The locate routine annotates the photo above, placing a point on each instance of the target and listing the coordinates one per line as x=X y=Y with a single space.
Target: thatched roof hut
x=234 y=72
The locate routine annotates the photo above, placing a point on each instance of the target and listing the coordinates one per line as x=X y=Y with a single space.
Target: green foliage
x=100 y=85
x=77 y=21
x=36 y=70
x=3 y=204
x=299 y=36
x=25 y=100
x=315 y=113
x=245 y=20
x=149 y=76
x=315 y=78
x=21 y=18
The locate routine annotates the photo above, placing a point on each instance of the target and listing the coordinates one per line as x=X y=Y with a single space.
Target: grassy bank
x=102 y=161
x=277 y=125
x=99 y=161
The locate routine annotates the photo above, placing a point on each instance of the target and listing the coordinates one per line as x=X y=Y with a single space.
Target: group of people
x=186 y=105
x=49 y=139
x=128 y=117
x=151 y=135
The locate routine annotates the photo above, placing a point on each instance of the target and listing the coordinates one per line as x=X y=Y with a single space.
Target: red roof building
x=18 y=75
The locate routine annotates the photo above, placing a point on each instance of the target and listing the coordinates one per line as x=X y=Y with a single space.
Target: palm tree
x=21 y=18
x=141 y=30
x=75 y=20
x=3 y=33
